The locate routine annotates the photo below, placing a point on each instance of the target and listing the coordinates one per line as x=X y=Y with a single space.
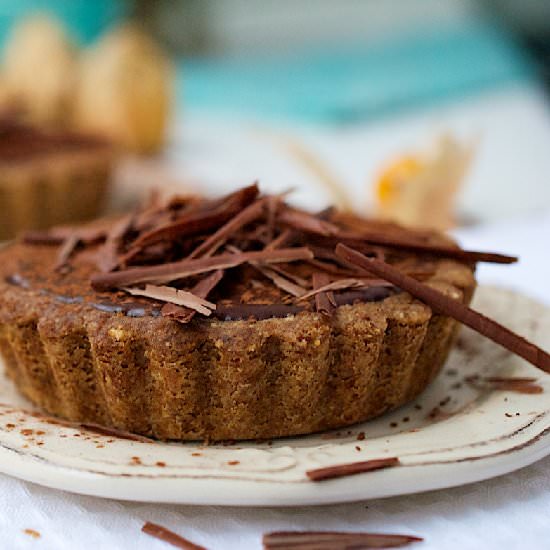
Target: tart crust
x=219 y=380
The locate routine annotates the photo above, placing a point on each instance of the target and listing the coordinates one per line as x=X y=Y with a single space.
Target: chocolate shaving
x=280 y=281
x=58 y=235
x=469 y=256
x=248 y=215
x=344 y=284
x=514 y=384
x=66 y=251
x=107 y=255
x=207 y=218
x=324 y=300
x=441 y=303
x=161 y=533
x=173 y=244
x=304 y=221
x=300 y=281
x=284 y=237
x=352 y=468
x=202 y=289
x=267 y=311
x=113 y=432
x=174 y=296
x=334 y=540
x=185 y=268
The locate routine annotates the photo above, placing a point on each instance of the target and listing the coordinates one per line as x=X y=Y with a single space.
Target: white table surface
x=508 y=512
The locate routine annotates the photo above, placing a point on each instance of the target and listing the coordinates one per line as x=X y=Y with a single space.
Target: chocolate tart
x=273 y=337
x=49 y=178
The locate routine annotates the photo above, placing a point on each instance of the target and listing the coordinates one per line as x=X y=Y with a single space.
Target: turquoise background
x=86 y=19
x=359 y=81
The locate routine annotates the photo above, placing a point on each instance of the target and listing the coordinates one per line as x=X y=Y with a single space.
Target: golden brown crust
x=221 y=380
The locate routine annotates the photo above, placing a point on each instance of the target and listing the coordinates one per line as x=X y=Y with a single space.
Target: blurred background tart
x=49 y=177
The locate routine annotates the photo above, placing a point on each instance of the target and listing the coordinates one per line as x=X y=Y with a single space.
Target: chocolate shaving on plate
x=113 y=432
x=164 y=534
x=351 y=468
x=334 y=540
x=514 y=384
x=453 y=308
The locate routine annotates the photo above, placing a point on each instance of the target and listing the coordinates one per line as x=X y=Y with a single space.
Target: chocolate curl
x=107 y=255
x=66 y=251
x=174 y=296
x=185 y=268
x=202 y=289
x=352 y=468
x=161 y=533
x=441 y=303
x=201 y=220
x=324 y=300
x=469 y=256
x=248 y=215
x=334 y=540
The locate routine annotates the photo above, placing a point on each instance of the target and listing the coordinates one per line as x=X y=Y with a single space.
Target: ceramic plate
x=453 y=434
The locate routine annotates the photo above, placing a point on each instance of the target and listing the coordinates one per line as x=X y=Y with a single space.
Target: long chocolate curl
x=441 y=303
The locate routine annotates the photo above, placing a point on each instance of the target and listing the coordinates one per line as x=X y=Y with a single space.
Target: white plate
x=453 y=434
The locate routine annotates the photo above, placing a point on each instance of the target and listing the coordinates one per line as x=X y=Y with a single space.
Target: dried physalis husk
x=124 y=90
x=420 y=191
x=39 y=71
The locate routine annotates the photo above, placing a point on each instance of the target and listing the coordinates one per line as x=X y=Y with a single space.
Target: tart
x=49 y=178
x=229 y=318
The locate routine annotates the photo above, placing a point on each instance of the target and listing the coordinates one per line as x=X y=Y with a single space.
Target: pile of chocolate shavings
x=245 y=255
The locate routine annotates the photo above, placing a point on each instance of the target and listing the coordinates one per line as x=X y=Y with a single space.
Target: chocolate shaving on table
x=334 y=540
x=185 y=268
x=351 y=468
x=324 y=300
x=445 y=305
x=164 y=534
x=174 y=296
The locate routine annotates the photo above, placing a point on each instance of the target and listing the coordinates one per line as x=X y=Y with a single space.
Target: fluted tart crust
x=106 y=357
